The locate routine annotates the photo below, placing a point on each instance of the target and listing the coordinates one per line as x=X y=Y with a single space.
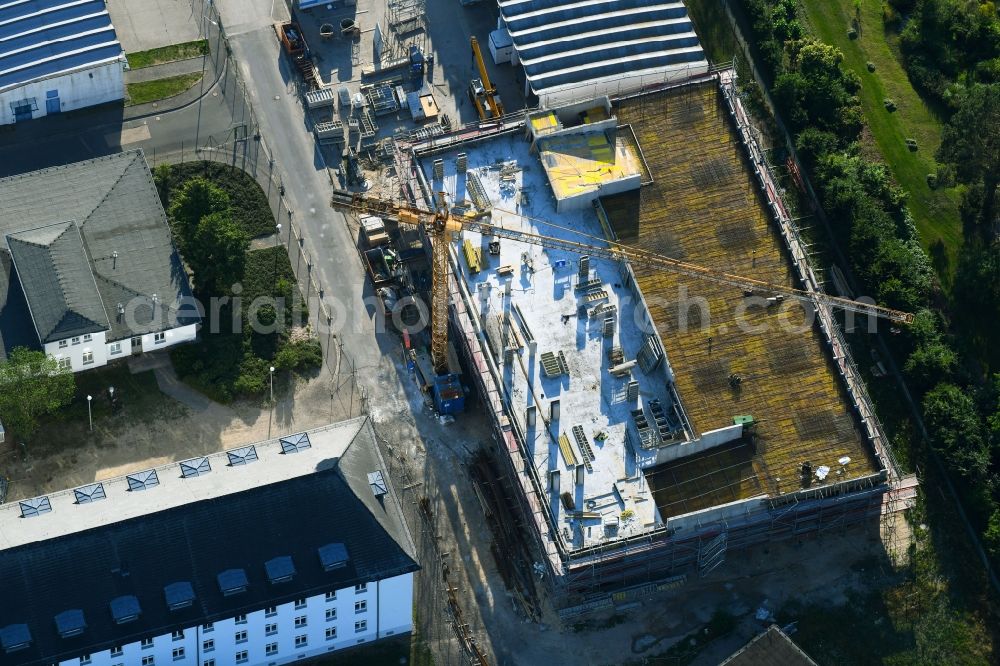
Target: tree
x=32 y=385
x=956 y=431
x=971 y=142
x=991 y=536
x=976 y=295
x=196 y=199
x=815 y=92
x=929 y=364
x=217 y=253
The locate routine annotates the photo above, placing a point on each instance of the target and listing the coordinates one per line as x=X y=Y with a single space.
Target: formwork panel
x=702 y=207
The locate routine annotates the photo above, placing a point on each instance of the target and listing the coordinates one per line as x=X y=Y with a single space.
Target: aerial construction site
x=649 y=415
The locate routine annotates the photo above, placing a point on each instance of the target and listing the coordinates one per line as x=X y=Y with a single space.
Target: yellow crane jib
x=440 y=223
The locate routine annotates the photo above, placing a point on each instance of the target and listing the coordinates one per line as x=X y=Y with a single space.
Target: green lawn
x=150 y=91
x=141 y=59
x=934 y=211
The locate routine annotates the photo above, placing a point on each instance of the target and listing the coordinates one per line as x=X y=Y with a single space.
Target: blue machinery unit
x=446 y=389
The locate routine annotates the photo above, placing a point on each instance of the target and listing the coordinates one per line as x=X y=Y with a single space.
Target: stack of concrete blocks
x=632 y=391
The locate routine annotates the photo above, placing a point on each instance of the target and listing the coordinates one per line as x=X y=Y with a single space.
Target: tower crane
x=440 y=223
x=482 y=89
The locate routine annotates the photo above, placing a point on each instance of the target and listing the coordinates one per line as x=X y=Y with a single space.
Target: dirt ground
x=65 y=454
x=430 y=460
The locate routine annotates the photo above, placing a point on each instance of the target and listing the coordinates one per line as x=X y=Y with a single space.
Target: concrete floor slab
x=148 y=24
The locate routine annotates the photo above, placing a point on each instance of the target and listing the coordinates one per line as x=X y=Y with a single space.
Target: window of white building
x=147 y=643
x=241 y=636
x=363 y=587
x=208 y=646
x=207 y=627
x=88 y=337
x=84 y=660
x=271 y=649
x=116 y=651
x=331 y=633
x=241 y=619
x=360 y=606
x=242 y=657
x=270 y=629
x=360 y=626
x=159 y=338
x=270 y=611
x=331 y=596
x=76 y=341
x=64 y=363
x=88 y=357
x=301 y=621
x=178 y=635
x=301 y=641
x=116 y=348
x=63 y=344
x=178 y=654
x=149 y=660
x=331 y=614
x=300 y=603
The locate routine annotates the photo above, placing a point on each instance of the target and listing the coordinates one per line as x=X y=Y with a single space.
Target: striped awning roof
x=42 y=38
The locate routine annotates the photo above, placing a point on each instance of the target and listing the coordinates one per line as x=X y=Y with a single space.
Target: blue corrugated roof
x=567 y=43
x=39 y=38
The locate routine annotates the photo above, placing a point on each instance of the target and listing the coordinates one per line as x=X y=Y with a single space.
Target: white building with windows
x=266 y=554
x=55 y=56
x=88 y=269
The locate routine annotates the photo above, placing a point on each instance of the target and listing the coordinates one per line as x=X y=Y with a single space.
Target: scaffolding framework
x=765 y=473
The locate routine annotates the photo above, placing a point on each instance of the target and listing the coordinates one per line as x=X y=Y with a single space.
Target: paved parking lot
x=148 y=24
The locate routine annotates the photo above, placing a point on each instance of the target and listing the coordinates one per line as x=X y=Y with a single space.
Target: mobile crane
x=481 y=91
x=440 y=224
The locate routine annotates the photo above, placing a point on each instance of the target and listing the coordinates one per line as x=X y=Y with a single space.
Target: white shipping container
x=501 y=46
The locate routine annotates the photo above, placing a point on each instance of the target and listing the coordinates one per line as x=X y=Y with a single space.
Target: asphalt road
x=327 y=243
x=80 y=135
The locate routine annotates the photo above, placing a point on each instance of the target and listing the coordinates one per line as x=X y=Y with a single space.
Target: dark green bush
x=300 y=356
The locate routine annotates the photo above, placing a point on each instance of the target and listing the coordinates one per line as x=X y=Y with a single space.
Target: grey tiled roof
x=123 y=233
x=15 y=320
x=57 y=281
x=194 y=541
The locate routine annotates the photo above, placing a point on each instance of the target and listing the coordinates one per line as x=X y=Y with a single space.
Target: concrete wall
x=174 y=336
x=97 y=85
x=105 y=351
x=585 y=200
x=716 y=514
x=395 y=606
x=388 y=611
x=74 y=349
x=708 y=440
x=615 y=86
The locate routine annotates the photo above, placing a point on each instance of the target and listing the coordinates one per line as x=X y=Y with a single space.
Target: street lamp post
x=270 y=412
x=90 y=414
x=277 y=242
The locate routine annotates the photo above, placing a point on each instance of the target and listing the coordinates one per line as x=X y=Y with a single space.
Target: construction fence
x=244 y=147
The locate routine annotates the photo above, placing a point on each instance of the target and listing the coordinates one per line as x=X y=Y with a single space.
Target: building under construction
x=647 y=422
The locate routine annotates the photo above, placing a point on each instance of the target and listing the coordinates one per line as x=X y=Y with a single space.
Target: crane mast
x=439 y=223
